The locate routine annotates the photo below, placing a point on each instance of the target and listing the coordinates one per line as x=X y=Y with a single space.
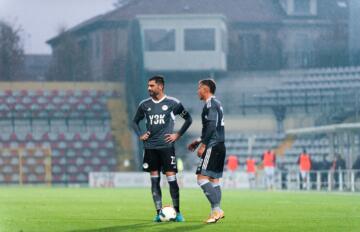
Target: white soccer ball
x=167 y=214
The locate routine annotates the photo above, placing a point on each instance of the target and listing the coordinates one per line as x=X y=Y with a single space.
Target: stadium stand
x=83 y=128
x=327 y=95
x=311 y=97
x=317 y=87
x=72 y=126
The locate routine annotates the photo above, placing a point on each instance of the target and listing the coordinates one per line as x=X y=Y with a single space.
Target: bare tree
x=11 y=52
x=70 y=61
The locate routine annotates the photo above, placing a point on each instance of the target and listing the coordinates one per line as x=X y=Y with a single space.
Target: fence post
x=288 y=180
x=352 y=180
x=341 y=182
x=318 y=180
x=308 y=181
x=298 y=181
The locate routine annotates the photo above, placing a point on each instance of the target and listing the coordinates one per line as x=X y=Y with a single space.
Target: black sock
x=174 y=192
x=156 y=192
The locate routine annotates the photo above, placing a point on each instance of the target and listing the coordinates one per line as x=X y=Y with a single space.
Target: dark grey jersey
x=212 y=117
x=160 y=120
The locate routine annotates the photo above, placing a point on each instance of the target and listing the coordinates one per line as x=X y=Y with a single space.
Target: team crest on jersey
x=164 y=107
x=145 y=165
x=149 y=109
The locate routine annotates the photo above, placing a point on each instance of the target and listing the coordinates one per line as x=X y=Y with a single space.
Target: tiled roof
x=233 y=10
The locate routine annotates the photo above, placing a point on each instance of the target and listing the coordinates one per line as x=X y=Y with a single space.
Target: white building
x=185 y=42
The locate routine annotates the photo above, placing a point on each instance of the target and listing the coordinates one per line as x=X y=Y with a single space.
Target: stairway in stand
x=121 y=132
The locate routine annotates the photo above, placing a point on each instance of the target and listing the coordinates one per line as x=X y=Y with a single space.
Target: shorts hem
x=163 y=172
x=212 y=174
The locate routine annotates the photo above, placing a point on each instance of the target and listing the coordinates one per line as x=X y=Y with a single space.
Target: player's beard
x=153 y=94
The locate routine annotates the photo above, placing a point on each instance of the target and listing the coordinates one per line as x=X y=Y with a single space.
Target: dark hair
x=158 y=79
x=209 y=83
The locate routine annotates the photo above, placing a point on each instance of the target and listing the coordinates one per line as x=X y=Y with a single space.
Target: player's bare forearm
x=201 y=150
x=145 y=136
x=192 y=146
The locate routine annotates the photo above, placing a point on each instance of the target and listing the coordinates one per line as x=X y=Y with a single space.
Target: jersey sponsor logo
x=164 y=107
x=149 y=109
x=157 y=119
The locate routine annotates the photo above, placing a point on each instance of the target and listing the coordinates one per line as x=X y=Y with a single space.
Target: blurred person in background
x=356 y=167
x=232 y=164
x=251 y=170
x=283 y=174
x=304 y=162
x=324 y=167
x=269 y=163
x=315 y=171
x=338 y=166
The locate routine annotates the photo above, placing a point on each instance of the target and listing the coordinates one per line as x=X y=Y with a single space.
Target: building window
x=200 y=39
x=302 y=42
x=159 y=39
x=303 y=51
x=302 y=7
x=250 y=50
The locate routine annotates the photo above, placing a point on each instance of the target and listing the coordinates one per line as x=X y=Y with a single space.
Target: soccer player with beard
x=159 y=112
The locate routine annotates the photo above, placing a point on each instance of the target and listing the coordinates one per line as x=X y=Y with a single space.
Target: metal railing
x=322 y=180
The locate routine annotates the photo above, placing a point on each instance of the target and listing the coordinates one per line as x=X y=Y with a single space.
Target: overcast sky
x=41 y=19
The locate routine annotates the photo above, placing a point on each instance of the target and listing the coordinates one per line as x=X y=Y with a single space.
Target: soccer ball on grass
x=167 y=214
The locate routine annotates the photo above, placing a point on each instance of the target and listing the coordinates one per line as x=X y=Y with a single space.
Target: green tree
x=11 y=52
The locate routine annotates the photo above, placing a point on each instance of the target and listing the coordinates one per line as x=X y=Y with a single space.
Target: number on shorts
x=172 y=160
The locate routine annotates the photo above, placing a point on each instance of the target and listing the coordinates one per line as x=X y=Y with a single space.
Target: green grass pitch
x=106 y=210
